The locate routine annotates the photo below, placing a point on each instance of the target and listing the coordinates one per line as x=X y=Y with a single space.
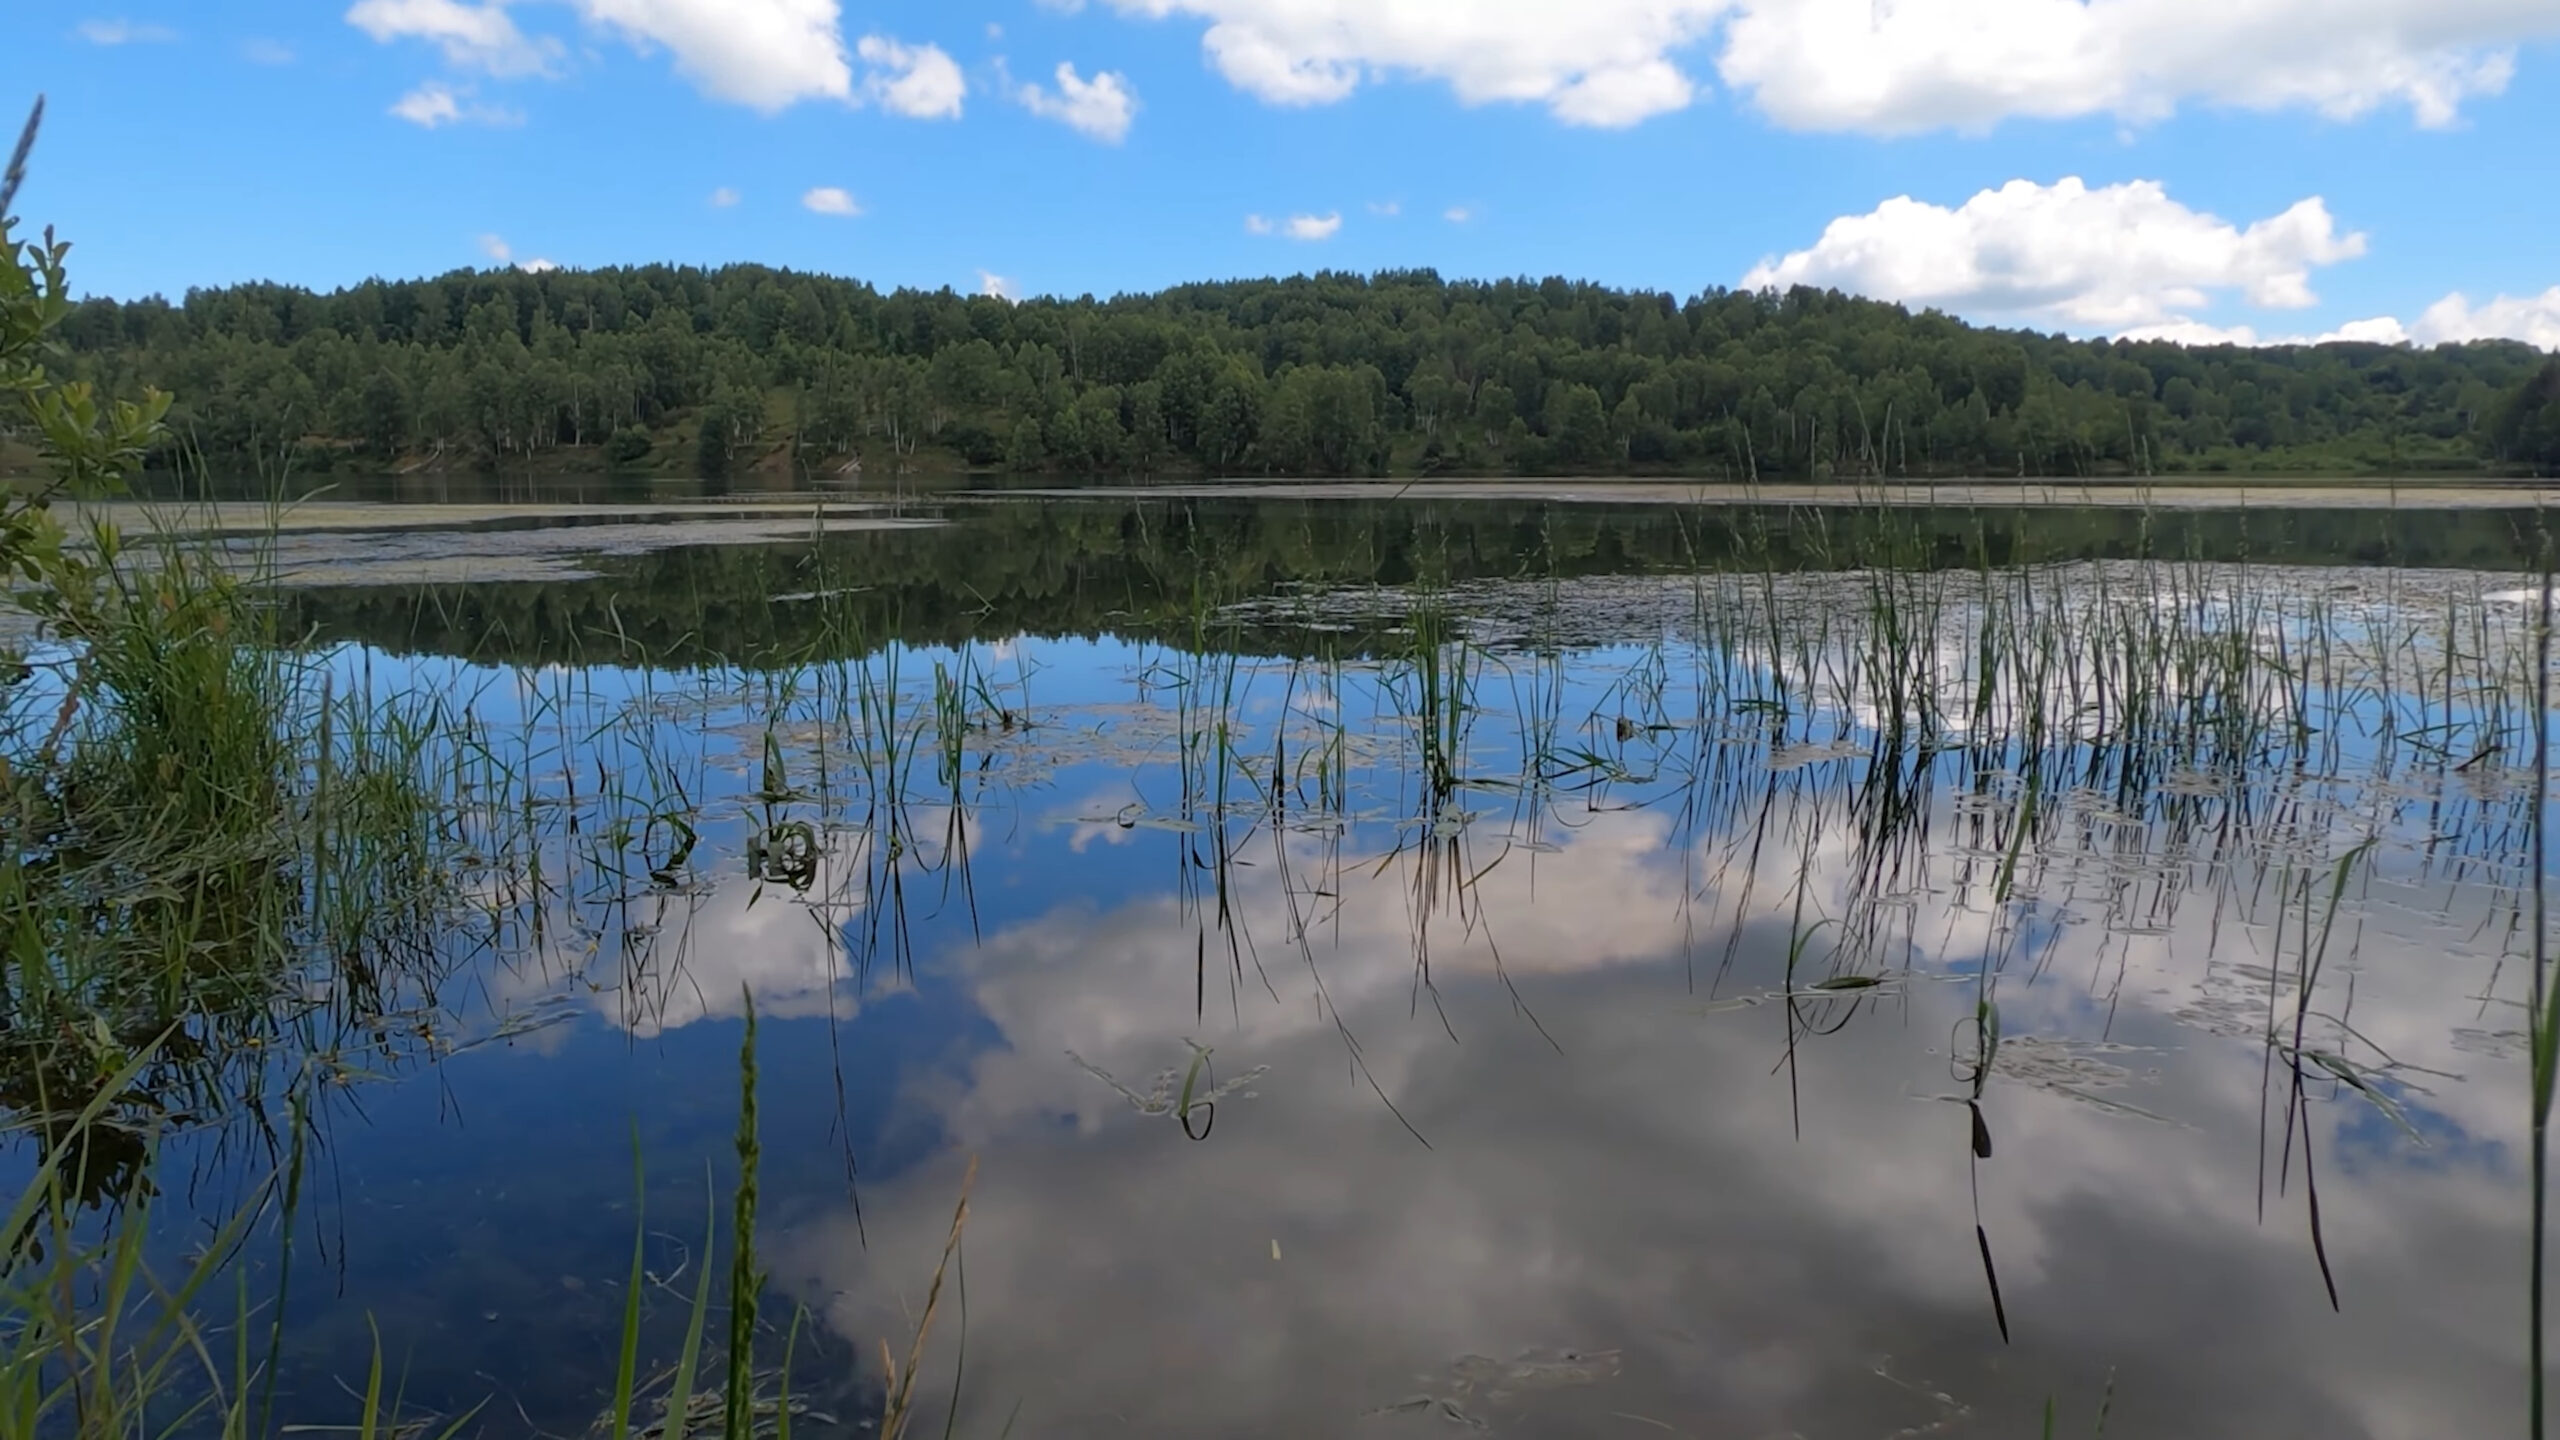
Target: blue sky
x=2251 y=168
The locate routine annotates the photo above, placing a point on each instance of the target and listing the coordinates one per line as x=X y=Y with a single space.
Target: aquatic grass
x=2106 y=1408
x=2544 y=1022
x=96 y=1344
x=627 y=1354
x=745 y=1282
x=205 y=834
x=898 y=1414
x=2100 y=688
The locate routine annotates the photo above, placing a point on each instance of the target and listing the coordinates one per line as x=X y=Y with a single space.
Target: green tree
x=1024 y=454
x=1579 y=425
x=1230 y=416
x=89 y=444
x=1810 y=382
x=383 y=414
x=629 y=446
x=2526 y=426
x=711 y=444
x=1324 y=419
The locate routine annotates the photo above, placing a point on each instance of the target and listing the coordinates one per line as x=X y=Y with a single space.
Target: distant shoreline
x=851 y=507
x=2219 y=493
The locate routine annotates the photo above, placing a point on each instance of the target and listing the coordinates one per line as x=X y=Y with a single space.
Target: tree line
x=1161 y=570
x=680 y=370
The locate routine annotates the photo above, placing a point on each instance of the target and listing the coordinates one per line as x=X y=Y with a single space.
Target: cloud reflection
x=1639 y=1184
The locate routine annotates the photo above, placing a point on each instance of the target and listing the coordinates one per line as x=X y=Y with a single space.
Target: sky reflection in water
x=1534 y=1084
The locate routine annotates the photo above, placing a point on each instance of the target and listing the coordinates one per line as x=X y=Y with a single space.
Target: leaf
x=2355 y=1079
x=680 y=1392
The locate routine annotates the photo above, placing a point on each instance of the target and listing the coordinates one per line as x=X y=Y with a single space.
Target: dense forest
x=680 y=371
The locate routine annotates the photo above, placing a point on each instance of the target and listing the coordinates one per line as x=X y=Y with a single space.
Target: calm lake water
x=1659 y=972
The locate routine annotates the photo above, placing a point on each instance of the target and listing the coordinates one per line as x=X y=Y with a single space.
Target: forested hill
x=662 y=370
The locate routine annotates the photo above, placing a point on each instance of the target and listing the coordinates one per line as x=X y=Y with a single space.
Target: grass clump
x=206 y=845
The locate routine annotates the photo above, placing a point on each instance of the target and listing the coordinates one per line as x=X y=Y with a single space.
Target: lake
x=1385 y=966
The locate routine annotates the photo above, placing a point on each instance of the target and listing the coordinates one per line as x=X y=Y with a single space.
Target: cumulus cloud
x=2117 y=258
x=1313 y=227
x=497 y=249
x=1101 y=108
x=829 y=200
x=764 y=54
x=124 y=32
x=1879 y=65
x=917 y=81
x=723 y=198
x=1968 y=64
x=997 y=286
x=1303 y=52
x=1602 y=63
x=429 y=105
x=2533 y=319
x=1296 y=227
x=476 y=37
x=2197 y=332
x=2384 y=330
x=436 y=104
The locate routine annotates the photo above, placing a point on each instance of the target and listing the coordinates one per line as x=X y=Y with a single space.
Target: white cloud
x=917 y=81
x=2196 y=332
x=1880 y=65
x=266 y=52
x=496 y=248
x=1296 y=227
x=1102 y=107
x=1600 y=62
x=429 y=105
x=125 y=32
x=2533 y=319
x=436 y=104
x=1922 y=64
x=993 y=284
x=1458 y=215
x=1386 y=209
x=2384 y=330
x=478 y=37
x=1313 y=227
x=723 y=198
x=2118 y=258
x=829 y=200
x=764 y=54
